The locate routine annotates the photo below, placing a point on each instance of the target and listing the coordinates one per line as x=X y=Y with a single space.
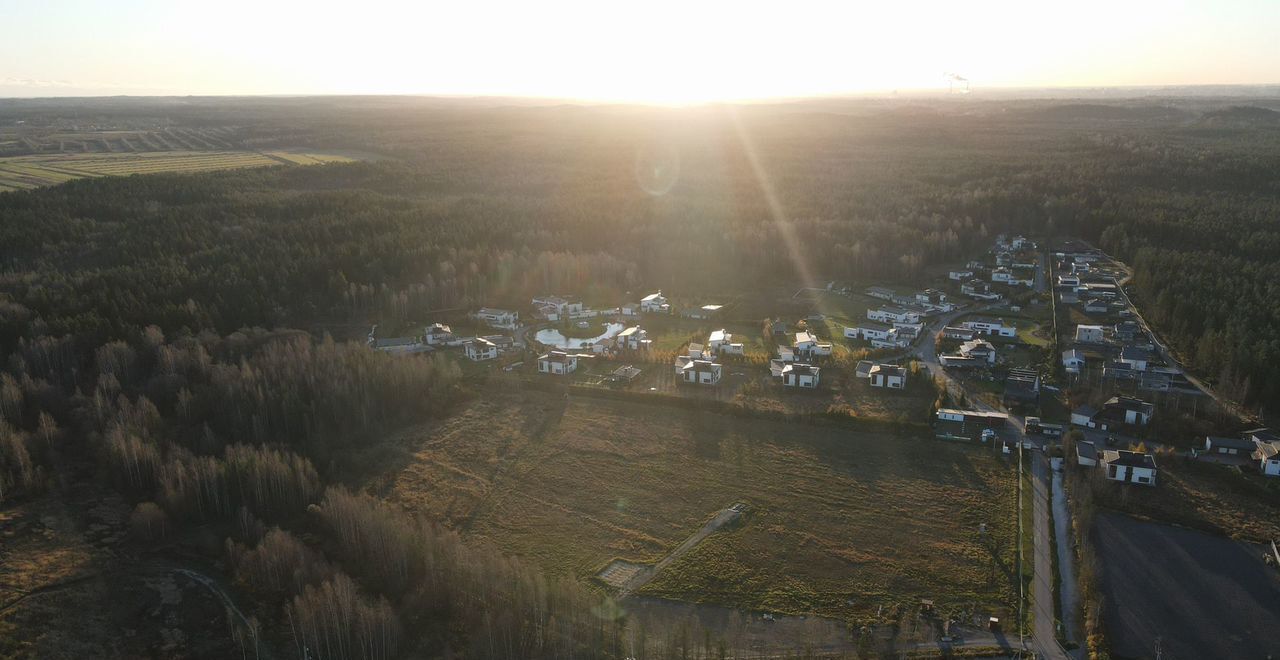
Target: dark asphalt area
x=1198 y=595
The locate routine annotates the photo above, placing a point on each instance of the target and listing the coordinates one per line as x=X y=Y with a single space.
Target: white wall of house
x=1133 y=475
x=1270 y=466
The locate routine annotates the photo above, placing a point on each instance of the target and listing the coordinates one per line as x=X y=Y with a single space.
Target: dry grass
x=33 y=171
x=842 y=522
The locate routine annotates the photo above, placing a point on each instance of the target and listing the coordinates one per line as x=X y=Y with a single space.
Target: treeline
x=222 y=433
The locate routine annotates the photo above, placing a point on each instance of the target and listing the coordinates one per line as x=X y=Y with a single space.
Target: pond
x=553 y=337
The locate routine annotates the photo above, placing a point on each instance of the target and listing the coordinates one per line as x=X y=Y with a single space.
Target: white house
x=633 y=338
x=1129 y=467
x=1136 y=357
x=701 y=372
x=479 y=349
x=888 y=375
x=1096 y=306
x=498 y=318
x=1268 y=456
x=558 y=363
x=980 y=350
x=1002 y=275
x=629 y=309
x=989 y=326
x=868 y=330
x=955 y=332
x=796 y=374
x=1090 y=334
x=721 y=341
x=979 y=290
x=1128 y=409
x=1073 y=360
x=554 y=308
x=962 y=274
x=697 y=352
x=655 y=302
x=437 y=334
x=893 y=314
x=1069 y=280
x=1087 y=416
x=807 y=345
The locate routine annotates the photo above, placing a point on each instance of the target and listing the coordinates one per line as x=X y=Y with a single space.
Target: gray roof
x=1134 y=353
x=1128 y=458
x=1228 y=442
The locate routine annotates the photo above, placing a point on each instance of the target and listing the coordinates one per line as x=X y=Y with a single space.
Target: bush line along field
x=841 y=523
x=20 y=172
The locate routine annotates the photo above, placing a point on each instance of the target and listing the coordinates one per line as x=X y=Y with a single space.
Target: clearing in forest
x=841 y=523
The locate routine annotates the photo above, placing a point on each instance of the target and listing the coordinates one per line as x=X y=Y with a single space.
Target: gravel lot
x=1202 y=596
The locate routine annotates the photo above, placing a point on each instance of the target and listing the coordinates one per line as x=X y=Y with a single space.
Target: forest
x=132 y=310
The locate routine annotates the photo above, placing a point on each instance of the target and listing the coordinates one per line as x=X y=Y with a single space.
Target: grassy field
x=842 y=523
x=21 y=172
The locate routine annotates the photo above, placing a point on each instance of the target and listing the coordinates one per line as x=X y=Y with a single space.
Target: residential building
x=1091 y=334
x=480 y=349
x=893 y=314
x=1096 y=306
x=1073 y=360
x=1268 y=456
x=697 y=351
x=1069 y=280
x=881 y=293
x=962 y=274
x=1137 y=358
x=1241 y=446
x=557 y=363
x=437 y=334
x=398 y=345
x=721 y=341
x=954 y=424
x=868 y=330
x=979 y=290
x=498 y=318
x=630 y=309
x=1129 y=410
x=1127 y=331
x=1022 y=386
x=1129 y=467
x=990 y=326
x=1087 y=416
x=888 y=375
x=634 y=338
x=808 y=346
x=980 y=350
x=1086 y=453
x=797 y=374
x=655 y=303
x=701 y=372
x=863 y=369
x=954 y=332
x=555 y=308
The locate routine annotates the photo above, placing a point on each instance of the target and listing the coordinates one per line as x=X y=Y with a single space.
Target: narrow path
x=643 y=577
x=1044 y=633
x=1069 y=591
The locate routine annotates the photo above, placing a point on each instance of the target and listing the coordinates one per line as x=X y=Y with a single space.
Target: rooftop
x=1128 y=458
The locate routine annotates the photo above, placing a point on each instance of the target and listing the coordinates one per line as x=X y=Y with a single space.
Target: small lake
x=553 y=337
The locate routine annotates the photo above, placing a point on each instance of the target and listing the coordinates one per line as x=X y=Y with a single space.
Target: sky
x=646 y=50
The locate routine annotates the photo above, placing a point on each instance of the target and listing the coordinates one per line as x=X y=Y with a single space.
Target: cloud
x=34 y=82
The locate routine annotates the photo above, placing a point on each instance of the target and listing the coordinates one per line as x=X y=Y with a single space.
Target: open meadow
x=19 y=172
x=838 y=523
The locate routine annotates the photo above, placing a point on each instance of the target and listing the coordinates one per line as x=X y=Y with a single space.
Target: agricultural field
x=839 y=523
x=21 y=172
